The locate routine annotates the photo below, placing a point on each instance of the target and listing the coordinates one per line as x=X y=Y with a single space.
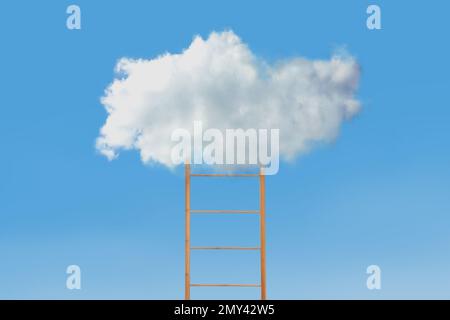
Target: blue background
x=378 y=195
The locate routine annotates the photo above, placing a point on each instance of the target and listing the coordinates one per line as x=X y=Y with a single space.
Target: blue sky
x=378 y=195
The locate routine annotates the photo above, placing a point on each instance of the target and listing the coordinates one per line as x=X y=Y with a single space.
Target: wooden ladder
x=188 y=247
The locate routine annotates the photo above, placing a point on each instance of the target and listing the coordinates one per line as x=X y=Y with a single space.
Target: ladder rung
x=224 y=211
x=224 y=285
x=235 y=167
x=225 y=248
x=224 y=175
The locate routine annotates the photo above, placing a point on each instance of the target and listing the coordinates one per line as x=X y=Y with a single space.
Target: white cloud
x=222 y=83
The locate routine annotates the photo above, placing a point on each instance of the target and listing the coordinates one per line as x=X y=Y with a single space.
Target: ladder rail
x=187 y=284
x=262 y=212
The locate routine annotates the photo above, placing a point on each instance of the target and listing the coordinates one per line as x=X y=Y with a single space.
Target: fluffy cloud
x=220 y=82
